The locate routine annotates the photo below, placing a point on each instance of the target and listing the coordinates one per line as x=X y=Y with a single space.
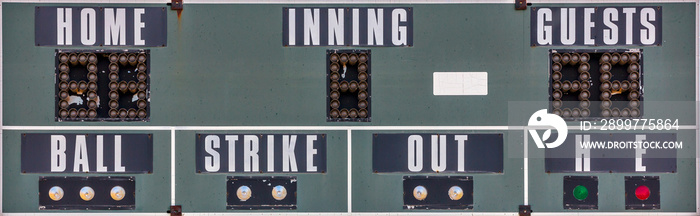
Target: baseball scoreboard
x=165 y=107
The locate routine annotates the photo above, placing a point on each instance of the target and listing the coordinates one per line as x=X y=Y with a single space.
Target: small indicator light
x=420 y=193
x=56 y=193
x=243 y=193
x=642 y=192
x=580 y=192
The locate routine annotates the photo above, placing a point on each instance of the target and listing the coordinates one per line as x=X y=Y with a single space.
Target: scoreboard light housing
x=110 y=85
x=101 y=186
x=652 y=198
x=348 y=85
x=574 y=201
x=262 y=192
x=439 y=191
x=572 y=103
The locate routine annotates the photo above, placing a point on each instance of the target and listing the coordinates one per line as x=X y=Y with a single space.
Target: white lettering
x=461 y=139
x=438 y=157
x=312 y=27
x=583 y=155
x=568 y=29
x=310 y=152
x=88 y=21
x=212 y=163
x=118 y=154
x=639 y=152
x=81 y=156
x=587 y=25
x=415 y=153
x=398 y=33
x=289 y=161
x=138 y=25
x=115 y=27
x=64 y=25
x=100 y=154
x=292 y=27
x=629 y=12
x=375 y=26
x=231 y=139
x=648 y=35
x=336 y=26
x=355 y=26
x=250 y=153
x=58 y=153
x=610 y=35
x=270 y=153
x=544 y=32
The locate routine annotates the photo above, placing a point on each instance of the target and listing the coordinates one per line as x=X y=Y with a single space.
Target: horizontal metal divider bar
x=374 y=214
x=319 y=128
x=348 y=1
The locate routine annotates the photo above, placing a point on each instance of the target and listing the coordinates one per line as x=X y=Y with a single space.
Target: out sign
x=431 y=153
x=100 y=26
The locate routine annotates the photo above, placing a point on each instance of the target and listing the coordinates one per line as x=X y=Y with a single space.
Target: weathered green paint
x=225 y=65
x=316 y=192
x=21 y=190
x=377 y=192
x=677 y=189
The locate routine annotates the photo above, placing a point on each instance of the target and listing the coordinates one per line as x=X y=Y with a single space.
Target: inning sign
x=342 y=26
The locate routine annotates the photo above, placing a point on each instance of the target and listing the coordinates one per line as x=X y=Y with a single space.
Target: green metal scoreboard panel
x=241 y=116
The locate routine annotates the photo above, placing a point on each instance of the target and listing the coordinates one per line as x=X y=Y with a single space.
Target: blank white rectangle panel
x=460 y=83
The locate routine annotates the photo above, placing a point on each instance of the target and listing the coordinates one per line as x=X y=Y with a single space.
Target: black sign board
x=613 y=153
x=118 y=78
x=347 y=26
x=100 y=26
x=580 y=192
x=256 y=153
x=82 y=153
x=430 y=153
x=102 y=187
x=263 y=192
x=443 y=192
x=595 y=26
x=642 y=192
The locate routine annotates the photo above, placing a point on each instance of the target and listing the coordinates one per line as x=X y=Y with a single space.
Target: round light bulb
x=580 y=192
x=279 y=192
x=243 y=193
x=642 y=192
x=56 y=193
x=420 y=193
x=456 y=193
x=117 y=193
x=87 y=193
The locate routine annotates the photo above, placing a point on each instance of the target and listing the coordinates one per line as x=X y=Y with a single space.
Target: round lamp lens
x=580 y=192
x=642 y=192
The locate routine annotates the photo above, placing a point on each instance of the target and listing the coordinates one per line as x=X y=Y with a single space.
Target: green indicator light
x=580 y=192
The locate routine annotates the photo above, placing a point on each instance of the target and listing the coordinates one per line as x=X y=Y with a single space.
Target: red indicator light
x=642 y=192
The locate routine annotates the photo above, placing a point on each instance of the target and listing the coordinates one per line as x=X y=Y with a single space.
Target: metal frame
x=350 y=128
x=595 y=101
x=350 y=1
